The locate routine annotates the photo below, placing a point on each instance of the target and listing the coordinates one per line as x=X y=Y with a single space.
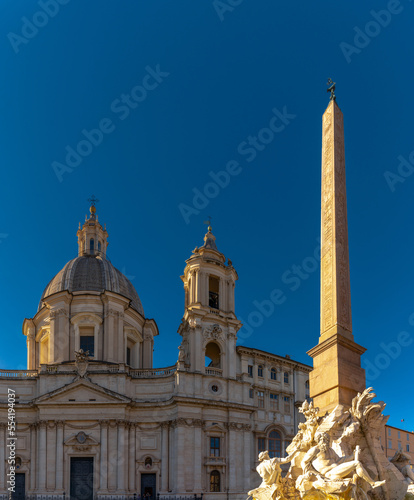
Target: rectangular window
x=251 y=393
x=399 y=445
x=389 y=432
x=286 y=404
x=214 y=447
x=408 y=437
x=86 y=342
x=260 y=396
x=261 y=444
x=128 y=360
x=399 y=435
x=213 y=294
x=286 y=377
x=274 y=401
x=407 y=447
x=250 y=370
x=260 y=371
x=390 y=444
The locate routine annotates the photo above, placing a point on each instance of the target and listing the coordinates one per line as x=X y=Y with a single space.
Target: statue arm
x=288 y=459
x=306 y=463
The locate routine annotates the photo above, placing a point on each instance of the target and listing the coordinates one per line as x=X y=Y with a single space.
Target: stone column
x=2 y=455
x=337 y=376
x=171 y=459
x=59 y=455
x=112 y=455
x=31 y=348
x=231 y=297
x=51 y=349
x=247 y=458
x=122 y=457
x=131 y=460
x=51 y=456
x=202 y=288
x=222 y=298
x=97 y=345
x=164 y=456
x=147 y=350
x=121 y=338
x=198 y=455
x=232 y=472
x=59 y=337
x=180 y=459
x=197 y=285
x=77 y=337
x=109 y=352
x=190 y=288
x=42 y=457
x=103 y=479
x=33 y=463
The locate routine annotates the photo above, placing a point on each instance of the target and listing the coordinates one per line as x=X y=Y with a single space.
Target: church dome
x=92 y=273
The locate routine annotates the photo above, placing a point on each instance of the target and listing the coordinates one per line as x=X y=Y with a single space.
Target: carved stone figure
x=325 y=464
x=273 y=484
x=402 y=461
x=182 y=353
x=81 y=362
x=338 y=456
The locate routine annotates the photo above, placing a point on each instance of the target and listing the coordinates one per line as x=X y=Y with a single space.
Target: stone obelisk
x=337 y=375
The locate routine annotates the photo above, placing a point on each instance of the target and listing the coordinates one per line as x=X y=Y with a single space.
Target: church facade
x=95 y=419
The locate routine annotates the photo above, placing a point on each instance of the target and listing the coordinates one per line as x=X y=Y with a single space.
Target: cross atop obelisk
x=337 y=375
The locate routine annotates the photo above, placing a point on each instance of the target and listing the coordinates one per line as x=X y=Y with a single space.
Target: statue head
x=323 y=439
x=264 y=455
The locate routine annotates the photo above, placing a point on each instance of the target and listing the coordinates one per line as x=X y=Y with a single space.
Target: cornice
x=257 y=353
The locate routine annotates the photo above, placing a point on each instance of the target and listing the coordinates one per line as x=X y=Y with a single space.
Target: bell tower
x=92 y=237
x=209 y=326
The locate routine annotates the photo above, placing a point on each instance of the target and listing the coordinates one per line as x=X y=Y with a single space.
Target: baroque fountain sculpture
x=338 y=456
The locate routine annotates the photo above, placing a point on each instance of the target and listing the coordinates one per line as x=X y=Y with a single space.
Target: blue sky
x=215 y=73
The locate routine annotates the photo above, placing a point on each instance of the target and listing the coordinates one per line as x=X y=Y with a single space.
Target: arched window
x=99 y=246
x=273 y=374
x=213 y=292
x=286 y=377
x=260 y=370
x=275 y=444
x=215 y=481
x=213 y=355
x=91 y=245
x=148 y=462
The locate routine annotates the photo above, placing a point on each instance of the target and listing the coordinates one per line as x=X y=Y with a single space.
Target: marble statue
x=272 y=485
x=338 y=456
x=402 y=461
x=322 y=461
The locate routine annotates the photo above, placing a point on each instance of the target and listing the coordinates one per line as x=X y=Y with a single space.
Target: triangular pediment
x=81 y=391
x=215 y=427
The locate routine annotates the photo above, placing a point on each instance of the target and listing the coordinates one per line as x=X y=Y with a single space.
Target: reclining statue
x=329 y=470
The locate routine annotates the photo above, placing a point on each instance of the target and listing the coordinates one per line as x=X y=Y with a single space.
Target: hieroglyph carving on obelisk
x=335 y=282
